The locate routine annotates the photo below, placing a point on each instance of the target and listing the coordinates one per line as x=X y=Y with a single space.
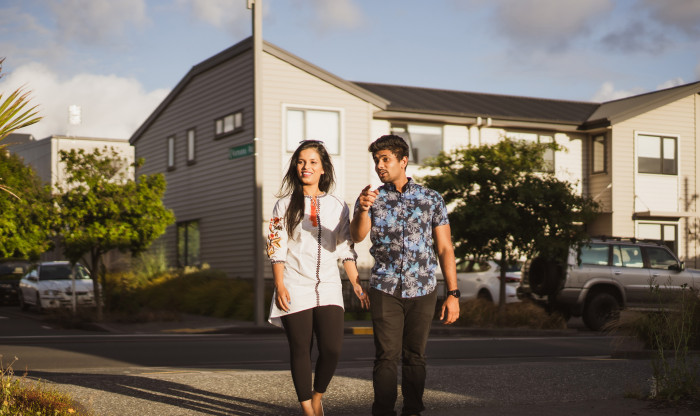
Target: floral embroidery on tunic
x=273 y=239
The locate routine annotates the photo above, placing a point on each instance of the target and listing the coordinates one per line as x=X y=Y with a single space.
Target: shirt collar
x=407 y=188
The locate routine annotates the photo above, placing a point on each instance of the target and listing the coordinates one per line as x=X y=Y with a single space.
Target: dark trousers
x=401 y=328
x=326 y=322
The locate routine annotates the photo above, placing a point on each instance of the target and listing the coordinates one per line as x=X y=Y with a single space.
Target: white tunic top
x=311 y=273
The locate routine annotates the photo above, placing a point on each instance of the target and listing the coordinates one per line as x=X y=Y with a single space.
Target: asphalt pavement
x=597 y=386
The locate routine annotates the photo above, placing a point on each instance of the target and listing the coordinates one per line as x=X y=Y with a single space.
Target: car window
x=81 y=272
x=54 y=272
x=515 y=267
x=660 y=258
x=596 y=254
x=627 y=256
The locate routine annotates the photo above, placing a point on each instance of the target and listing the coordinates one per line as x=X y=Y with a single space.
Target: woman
x=309 y=233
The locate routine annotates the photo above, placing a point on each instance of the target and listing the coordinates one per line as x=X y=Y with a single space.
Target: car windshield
x=515 y=267
x=55 y=272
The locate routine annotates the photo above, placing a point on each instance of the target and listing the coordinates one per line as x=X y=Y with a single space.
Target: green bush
x=202 y=292
x=484 y=314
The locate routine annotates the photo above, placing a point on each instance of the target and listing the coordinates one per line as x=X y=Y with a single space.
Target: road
x=248 y=374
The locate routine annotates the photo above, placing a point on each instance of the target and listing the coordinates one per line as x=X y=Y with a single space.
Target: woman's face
x=309 y=167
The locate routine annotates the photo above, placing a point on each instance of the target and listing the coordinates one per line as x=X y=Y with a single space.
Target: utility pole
x=256 y=7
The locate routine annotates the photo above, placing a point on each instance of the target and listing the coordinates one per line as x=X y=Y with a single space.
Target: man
x=405 y=220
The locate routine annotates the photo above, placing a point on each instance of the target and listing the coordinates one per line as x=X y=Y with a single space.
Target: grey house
x=637 y=156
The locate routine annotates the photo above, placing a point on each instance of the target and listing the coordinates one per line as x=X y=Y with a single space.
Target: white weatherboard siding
x=656 y=193
x=635 y=192
x=287 y=86
x=216 y=191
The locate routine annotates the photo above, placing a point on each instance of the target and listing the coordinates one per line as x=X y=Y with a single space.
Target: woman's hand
x=360 y=293
x=282 y=300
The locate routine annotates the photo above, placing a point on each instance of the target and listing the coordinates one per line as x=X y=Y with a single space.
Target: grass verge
x=20 y=396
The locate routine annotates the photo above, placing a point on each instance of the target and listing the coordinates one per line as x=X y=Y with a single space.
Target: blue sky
x=119 y=59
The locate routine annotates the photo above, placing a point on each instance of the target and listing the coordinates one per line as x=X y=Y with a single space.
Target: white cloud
x=112 y=107
x=222 y=14
x=551 y=23
x=97 y=21
x=343 y=14
x=607 y=92
x=670 y=83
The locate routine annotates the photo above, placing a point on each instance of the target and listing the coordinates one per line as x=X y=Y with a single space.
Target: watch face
x=455 y=293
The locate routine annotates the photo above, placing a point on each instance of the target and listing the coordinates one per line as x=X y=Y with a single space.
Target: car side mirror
x=678 y=267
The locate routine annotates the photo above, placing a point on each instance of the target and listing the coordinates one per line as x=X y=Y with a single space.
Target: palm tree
x=13 y=116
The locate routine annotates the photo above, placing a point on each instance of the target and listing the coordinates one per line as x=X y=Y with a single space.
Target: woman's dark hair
x=391 y=142
x=291 y=184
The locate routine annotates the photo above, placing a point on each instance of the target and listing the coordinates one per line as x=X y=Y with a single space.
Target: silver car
x=49 y=285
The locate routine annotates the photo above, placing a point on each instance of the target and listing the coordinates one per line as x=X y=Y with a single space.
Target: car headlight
x=51 y=292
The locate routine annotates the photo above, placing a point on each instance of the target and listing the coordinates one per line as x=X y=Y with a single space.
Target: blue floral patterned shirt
x=402 y=238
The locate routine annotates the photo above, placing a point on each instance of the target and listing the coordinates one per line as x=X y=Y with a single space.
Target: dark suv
x=605 y=275
x=11 y=270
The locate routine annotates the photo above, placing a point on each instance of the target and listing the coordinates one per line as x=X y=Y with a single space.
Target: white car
x=481 y=279
x=48 y=285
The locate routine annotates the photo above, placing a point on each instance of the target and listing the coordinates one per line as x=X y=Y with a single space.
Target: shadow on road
x=159 y=391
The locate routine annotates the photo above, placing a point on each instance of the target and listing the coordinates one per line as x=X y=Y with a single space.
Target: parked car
x=481 y=279
x=11 y=271
x=605 y=275
x=48 y=285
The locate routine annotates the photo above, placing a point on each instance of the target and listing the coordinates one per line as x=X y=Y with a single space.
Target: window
x=598 y=154
x=188 y=243
x=547 y=156
x=171 y=152
x=229 y=123
x=657 y=154
x=191 y=145
x=627 y=256
x=423 y=141
x=596 y=254
x=664 y=233
x=305 y=124
x=660 y=258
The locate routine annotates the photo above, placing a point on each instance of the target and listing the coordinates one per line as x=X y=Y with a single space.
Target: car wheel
x=485 y=295
x=22 y=304
x=38 y=304
x=601 y=308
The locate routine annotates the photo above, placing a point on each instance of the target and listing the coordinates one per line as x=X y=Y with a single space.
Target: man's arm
x=446 y=255
x=361 y=223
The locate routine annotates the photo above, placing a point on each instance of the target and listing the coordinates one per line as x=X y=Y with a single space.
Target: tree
x=26 y=222
x=13 y=116
x=504 y=205
x=101 y=209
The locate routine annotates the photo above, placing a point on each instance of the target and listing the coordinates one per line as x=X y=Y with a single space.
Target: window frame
x=403 y=130
x=523 y=135
x=660 y=169
x=178 y=255
x=191 y=137
x=673 y=245
x=170 y=157
x=236 y=124
x=290 y=145
x=604 y=142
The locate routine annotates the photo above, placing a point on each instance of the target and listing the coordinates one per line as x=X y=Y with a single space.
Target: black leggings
x=327 y=323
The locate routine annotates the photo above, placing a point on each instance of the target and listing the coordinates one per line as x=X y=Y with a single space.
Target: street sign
x=241 y=151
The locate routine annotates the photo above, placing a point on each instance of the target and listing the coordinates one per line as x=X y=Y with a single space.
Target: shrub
x=484 y=314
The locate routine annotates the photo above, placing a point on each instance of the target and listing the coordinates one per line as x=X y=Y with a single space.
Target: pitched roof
x=471 y=104
x=242 y=47
x=619 y=110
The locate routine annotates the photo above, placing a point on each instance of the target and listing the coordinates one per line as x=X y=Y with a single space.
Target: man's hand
x=451 y=305
x=367 y=197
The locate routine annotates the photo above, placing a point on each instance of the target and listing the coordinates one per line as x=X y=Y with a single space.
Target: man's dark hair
x=395 y=144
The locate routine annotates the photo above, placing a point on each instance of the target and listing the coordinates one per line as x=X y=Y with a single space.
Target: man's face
x=388 y=167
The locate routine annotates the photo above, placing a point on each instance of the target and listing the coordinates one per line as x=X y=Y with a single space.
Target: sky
x=118 y=59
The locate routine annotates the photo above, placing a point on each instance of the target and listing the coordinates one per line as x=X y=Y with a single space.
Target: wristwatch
x=456 y=293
